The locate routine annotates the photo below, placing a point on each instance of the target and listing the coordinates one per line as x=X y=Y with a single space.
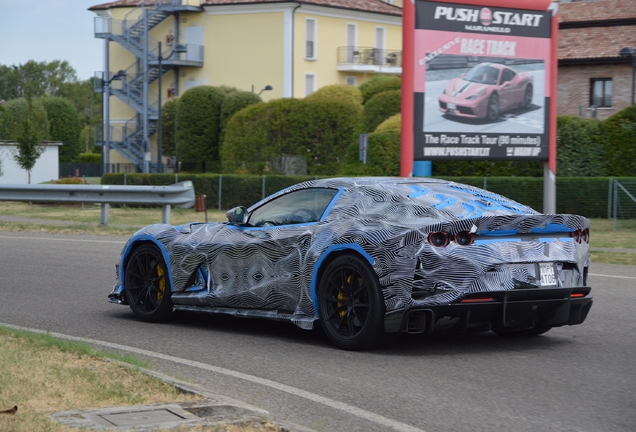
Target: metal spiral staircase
x=131 y=139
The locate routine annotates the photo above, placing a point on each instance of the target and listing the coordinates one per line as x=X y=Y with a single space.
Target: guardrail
x=178 y=195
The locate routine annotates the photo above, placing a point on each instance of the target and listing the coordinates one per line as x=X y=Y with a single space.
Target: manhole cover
x=149 y=417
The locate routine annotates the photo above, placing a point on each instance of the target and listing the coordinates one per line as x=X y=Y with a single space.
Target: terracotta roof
x=375 y=6
x=600 y=10
x=595 y=42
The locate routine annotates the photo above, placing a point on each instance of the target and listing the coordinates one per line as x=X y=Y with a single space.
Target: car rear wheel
x=535 y=331
x=146 y=284
x=493 y=107
x=527 y=98
x=351 y=304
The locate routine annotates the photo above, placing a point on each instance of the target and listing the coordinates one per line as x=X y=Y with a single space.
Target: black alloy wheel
x=493 y=107
x=146 y=284
x=351 y=304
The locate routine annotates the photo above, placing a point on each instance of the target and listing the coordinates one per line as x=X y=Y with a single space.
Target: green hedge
x=379 y=84
x=379 y=108
x=65 y=125
x=577 y=195
x=317 y=130
x=618 y=136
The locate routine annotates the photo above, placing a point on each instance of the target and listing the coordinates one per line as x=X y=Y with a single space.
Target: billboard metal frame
x=409 y=83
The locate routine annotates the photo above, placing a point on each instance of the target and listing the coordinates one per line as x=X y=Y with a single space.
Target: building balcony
x=368 y=59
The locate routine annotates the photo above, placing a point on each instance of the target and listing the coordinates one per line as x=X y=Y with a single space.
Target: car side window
x=300 y=206
x=507 y=75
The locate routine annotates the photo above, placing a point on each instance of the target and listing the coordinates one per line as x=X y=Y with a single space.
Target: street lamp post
x=176 y=49
x=630 y=54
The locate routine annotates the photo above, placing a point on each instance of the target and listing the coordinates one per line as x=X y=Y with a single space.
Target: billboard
x=481 y=82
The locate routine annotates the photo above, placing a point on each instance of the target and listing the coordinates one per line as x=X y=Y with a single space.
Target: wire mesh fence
x=621 y=204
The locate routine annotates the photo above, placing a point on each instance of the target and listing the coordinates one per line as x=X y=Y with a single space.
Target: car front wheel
x=493 y=107
x=146 y=284
x=351 y=304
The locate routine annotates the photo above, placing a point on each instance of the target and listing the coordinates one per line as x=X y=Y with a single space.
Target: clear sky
x=46 y=30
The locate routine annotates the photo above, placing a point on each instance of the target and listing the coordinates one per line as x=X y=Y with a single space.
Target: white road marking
x=611 y=276
x=63 y=239
x=350 y=409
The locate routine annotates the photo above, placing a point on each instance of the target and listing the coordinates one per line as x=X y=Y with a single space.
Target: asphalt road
x=580 y=378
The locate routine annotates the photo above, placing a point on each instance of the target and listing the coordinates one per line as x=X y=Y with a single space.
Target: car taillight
x=438 y=239
x=581 y=236
x=585 y=235
x=463 y=238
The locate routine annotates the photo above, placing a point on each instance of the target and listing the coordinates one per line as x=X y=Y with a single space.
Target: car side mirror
x=237 y=215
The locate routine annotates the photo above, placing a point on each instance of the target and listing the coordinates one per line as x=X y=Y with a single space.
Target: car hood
x=460 y=88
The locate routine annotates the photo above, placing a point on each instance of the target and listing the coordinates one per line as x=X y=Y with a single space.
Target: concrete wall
x=46 y=168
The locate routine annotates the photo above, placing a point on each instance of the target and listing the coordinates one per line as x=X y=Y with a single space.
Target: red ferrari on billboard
x=487 y=90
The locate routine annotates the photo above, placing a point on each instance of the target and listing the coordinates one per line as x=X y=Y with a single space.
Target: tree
x=31 y=130
x=45 y=79
x=617 y=136
x=380 y=107
x=65 y=126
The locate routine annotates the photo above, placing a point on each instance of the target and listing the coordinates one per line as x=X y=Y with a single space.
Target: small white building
x=46 y=168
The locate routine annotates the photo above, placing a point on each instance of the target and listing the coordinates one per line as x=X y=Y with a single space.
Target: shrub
x=168 y=118
x=315 y=129
x=233 y=103
x=379 y=84
x=342 y=92
x=197 y=121
x=618 y=135
x=65 y=125
x=392 y=124
x=380 y=107
x=383 y=156
x=14 y=115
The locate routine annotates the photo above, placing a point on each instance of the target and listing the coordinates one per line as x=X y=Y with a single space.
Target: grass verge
x=42 y=375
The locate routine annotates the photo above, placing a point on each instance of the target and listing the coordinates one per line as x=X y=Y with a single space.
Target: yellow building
x=292 y=47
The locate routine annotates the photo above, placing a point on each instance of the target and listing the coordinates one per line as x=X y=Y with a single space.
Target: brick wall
x=574 y=88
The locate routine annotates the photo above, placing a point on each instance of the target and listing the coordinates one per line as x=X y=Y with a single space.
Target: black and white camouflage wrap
x=273 y=271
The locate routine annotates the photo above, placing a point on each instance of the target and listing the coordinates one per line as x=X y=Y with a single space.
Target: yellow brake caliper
x=162 y=283
x=341 y=296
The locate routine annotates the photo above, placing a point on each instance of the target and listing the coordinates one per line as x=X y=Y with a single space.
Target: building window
x=601 y=92
x=310 y=83
x=380 y=45
x=352 y=81
x=310 y=38
x=351 y=43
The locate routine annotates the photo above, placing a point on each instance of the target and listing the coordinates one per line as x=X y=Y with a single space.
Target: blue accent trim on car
x=325 y=254
x=506 y=240
x=552 y=228
x=444 y=201
x=136 y=239
x=418 y=191
x=499 y=232
x=331 y=204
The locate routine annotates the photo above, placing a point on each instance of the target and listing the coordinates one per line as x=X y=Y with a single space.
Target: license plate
x=452 y=106
x=548 y=276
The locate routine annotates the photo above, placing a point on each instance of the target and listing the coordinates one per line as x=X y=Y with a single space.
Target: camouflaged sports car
x=369 y=258
x=487 y=90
